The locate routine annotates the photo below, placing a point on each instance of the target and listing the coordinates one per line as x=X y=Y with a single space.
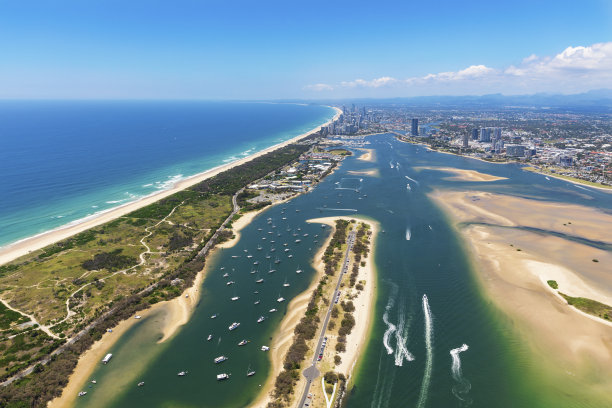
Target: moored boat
x=234 y=326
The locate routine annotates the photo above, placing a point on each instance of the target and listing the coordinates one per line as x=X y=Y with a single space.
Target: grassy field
x=590 y=306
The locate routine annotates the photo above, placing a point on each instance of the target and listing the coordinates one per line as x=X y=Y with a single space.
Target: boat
x=268 y=256
x=230 y=283
x=280 y=299
x=272 y=271
x=265 y=348
x=260 y=280
x=220 y=359
x=223 y=267
x=289 y=256
x=256 y=302
x=261 y=319
x=234 y=326
x=287 y=250
x=272 y=249
x=182 y=373
x=259 y=229
x=250 y=373
x=272 y=310
x=82 y=393
x=256 y=292
x=277 y=261
x=298 y=270
x=107 y=358
x=244 y=342
x=286 y=284
x=305 y=235
x=259 y=247
x=297 y=241
x=249 y=256
x=225 y=275
x=284 y=218
x=253 y=271
x=256 y=263
x=222 y=376
x=140 y=384
x=235 y=256
x=94 y=382
x=209 y=338
x=214 y=316
x=235 y=298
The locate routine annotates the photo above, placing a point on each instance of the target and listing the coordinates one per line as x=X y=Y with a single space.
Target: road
x=312 y=373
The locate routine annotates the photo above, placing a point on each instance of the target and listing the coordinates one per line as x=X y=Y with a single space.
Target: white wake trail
x=463 y=386
x=413 y=180
x=401 y=337
x=390 y=326
x=429 y=353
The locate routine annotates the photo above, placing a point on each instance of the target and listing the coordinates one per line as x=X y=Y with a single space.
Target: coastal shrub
x=340 y=347
x=553 y=284
x=331 y=325
x=330 y=377
x=348 y=306
x=110 y=261
x=337 y=359
x=335 y=311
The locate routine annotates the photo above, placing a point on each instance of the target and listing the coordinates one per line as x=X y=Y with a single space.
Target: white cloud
x=319 y=87
x=575 y=69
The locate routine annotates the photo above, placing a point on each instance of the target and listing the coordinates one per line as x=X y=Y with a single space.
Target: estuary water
x=435 y=341
x=62 y=161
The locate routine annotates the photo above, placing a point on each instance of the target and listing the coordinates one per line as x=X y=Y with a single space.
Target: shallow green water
x=497 y=370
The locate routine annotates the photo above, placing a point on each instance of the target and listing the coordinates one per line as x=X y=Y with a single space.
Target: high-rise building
x=466 y=140
x=514 y=150
x=475 y=134
x=485 y=135
x=414 y=130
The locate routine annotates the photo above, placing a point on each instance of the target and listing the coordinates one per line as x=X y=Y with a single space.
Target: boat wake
x=429 y=353
x=401 y=337
x=463 y=386
x=413 y=180
x=390 y=326
x=408 y=234
x=383 y=387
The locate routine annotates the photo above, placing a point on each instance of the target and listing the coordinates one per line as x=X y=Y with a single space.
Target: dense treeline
x=331 y=257
x=48 y=380
x=360 y=249
x=111 y=261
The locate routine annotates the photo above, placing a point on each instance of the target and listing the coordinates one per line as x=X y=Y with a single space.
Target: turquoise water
x=62 y=161
x=497 y=369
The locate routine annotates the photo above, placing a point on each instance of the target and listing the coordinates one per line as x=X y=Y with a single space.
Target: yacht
x=285 y=244
x=289 y=256
x=297 y=241
x=225 y=275
x=94 y=382
x=235 y=256
x=244 y=342
x=222 y=376
x=214 y=316
x=272 y=310
x=140 y=384
x=298 y=270
x=284 y=218
x=272 y=271
x=259 y=229
x=305 y=235
x=182 y=373
x=260 y=280
x=223 y=267
x=272 y=249
x=209 y=338
x=220 y=359
x=287 y=250
x=280 y=299
x=234 y=326
x=261 y=319
x=235 y=298
x=259 y=247
x=265 y=348
x=249 y=256
x=230 y=283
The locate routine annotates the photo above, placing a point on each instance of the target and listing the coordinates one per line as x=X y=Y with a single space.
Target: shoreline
x=511 y=267
x=22 y=247
x=178 y=311
x=569 y=180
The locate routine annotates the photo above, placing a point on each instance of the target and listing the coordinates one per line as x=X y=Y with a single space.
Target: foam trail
x=390 y=326
x=429 y=353
x=463 y=386
x=413 y=180
x=401 y=335
x=391 y=164
x=580 y=187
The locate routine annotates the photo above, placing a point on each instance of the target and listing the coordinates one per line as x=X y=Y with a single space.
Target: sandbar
x=368 y=156
x=462 y=175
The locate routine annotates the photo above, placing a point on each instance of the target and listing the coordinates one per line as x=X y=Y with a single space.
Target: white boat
x=298 y=270
x=243 y=342
x=222 y=376
x=280 y=299
x=256 y=302
x=277 y=261
x=268 y=256
x=261 y=319
x=253 y=271
x=182 y=373
x=213 y=316
x=235 y=298
x=260 y=280
x=259 y=247
x=256 y=263
x=272 y=271
x=250 y=373
x=272 y=310
x=265 y=348
x=94 y=382
x=286 y=284
x=235 y=256
x=225 y=275
x=230 y=283
x=82 y=393
x=107 y=358
x=140 y=384
x=209 y=338
x=249 y=256
x=289 y=256
x=137 y=317
x=287 y=250
x=297 y=241
x=220 y=359
x=234 y=326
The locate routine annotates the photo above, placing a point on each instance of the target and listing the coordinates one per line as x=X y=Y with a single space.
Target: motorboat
x=234 y=326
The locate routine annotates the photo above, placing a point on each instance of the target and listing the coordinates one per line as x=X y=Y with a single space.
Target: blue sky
x=309 y=49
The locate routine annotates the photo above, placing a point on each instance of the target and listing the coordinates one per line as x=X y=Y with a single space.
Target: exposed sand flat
x=21 y=248
x=371 y=172
x=369 y=155
x=574 y=347
x=462 y=175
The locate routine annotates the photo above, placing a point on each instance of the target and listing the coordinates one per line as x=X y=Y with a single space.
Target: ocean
x=63 y=161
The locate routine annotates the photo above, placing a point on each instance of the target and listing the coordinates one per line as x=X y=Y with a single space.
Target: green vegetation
x=175 y=229
x=553 y=284
x=589 y=306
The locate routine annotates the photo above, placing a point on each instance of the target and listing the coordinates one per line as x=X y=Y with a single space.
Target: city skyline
x=273 y=50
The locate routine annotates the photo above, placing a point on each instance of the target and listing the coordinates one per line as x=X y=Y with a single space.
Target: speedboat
x=209 y=338
x=235 y=298
x=225 y=275
x=261 y=319
x=272 y=310
x=140 y=384
x=265 y=348
x=222 y=376
x=220 y=359
x=230 y=283
x=244 y=342
x=214 y=316
x=82 y=393
x=256 y=302
x=182 y=373
x=234 y=326
x=260 y=280
x=280 y=299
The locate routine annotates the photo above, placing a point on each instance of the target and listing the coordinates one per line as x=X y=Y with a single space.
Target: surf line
x=429 y=353
x=463 y=385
